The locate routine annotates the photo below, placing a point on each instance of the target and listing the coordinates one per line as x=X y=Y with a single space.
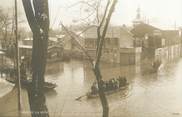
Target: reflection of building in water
x=109 y=71
x=74 y=71
x=54 y=68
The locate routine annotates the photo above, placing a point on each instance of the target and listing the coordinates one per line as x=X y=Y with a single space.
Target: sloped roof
x=77 y=38
x=170 y=33
x=141 y=29
x=172 y=36
x=112 y=31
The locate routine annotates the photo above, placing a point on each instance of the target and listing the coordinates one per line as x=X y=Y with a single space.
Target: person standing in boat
x=103 y=84
x=117 y=83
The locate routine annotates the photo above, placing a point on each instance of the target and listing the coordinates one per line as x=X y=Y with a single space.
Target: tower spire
x=138 y=16
x=138 y=19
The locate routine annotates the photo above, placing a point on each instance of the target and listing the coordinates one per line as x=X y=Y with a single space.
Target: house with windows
x=157 y=44
x=148 y=37
x=118 y=45
x=71 y=44
x=55 y=48
x=172 y=45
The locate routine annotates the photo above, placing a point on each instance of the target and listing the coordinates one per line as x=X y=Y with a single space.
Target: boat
x=28 y=83
x=108 y=92
x=90 y=95
x=48 y=85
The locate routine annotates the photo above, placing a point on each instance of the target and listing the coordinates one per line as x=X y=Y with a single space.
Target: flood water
x=148 y=95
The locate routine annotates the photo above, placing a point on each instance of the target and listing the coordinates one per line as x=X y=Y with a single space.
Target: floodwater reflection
x=148 y=95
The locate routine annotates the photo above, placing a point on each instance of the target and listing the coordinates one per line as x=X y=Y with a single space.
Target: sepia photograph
x=90 y=58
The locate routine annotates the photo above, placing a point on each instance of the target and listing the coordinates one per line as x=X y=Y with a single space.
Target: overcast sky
x=161 y=13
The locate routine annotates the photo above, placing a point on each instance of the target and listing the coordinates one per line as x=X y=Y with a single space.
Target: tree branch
x=83 y=2
x=30 y=15
x=100 y=25
x=97 y=11
x=98 y=56
x=81 y=47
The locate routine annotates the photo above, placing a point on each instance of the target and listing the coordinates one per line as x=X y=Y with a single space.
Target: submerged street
x=148 y=95
x=135 y=55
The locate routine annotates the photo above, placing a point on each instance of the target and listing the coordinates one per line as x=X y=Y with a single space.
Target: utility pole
x=18 y=84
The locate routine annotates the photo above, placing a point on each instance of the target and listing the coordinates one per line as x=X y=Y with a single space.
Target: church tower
x=138 y=19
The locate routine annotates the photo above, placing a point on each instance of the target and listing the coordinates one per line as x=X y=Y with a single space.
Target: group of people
x=112 y=84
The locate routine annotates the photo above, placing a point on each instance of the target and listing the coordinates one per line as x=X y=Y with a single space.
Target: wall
x=130 y=56
x=168 y=53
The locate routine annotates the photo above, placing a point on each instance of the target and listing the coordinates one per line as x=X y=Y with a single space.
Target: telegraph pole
x=18 y=84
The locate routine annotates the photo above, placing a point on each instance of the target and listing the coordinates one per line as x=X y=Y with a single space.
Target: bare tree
x=38 y=19
x=37 y=14
x=5 y=24
x=102 y=26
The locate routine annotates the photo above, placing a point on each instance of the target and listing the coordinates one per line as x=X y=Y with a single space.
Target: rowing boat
x=91 y=95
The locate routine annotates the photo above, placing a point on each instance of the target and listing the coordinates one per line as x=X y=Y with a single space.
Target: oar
x=78 y=98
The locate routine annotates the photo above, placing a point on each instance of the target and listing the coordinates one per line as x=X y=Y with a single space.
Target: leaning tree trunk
x=100 y=42
x=102 y=96
x=38 y=18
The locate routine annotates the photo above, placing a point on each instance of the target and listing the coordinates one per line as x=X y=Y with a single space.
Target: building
x=138 y=19
x=72 y=44
x=164 y=45
x=172 y=45
x=118 y=45
x=148 y=37
x=55 y=48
